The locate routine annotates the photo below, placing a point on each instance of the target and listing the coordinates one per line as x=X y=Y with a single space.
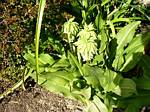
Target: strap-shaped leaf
x=75 y=62
x=131 y=60
x=139 y=40
x=99 y=22
x=125 y=35
x=135 y=51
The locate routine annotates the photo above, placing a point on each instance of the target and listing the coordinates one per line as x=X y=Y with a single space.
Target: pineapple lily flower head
x=71 y=29
x=86 y=45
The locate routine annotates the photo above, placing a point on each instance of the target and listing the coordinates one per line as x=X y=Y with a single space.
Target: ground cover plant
x=97 y=56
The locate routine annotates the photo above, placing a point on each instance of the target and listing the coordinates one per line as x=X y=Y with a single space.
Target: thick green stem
x=37 y=34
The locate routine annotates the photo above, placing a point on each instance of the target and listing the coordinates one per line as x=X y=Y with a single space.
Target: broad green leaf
x=59 y=74
x=85 y=92
x=58 y=77
x=135 y=46
x=51 y=81
x=132 y=108
x=63 y=62
x=93 y=75
x=125 y=35
x=131 y=60
x=60 y=89
x=136 y=102
x=128 y=87
x=76 y=74
x=109 y=101
x=54 y=87
x=110 y=81
x=118 y=62
x=103 y=40
x=96 y=106
x=145 y=65
x=60 y=82
x=45 y=59
x=143 y=83
x=51 y=69
x=98 y=60
x=92 y=108
x=30 y=57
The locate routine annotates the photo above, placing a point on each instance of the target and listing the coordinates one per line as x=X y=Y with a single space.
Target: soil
x=36 y=99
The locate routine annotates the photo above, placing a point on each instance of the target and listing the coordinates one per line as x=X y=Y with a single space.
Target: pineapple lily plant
x=100 y=52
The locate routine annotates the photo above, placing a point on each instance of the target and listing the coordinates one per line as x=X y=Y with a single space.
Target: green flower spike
x=71 y=29
x=86 y=45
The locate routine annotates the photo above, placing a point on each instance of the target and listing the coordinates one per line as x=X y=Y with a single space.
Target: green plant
x=91 y=69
